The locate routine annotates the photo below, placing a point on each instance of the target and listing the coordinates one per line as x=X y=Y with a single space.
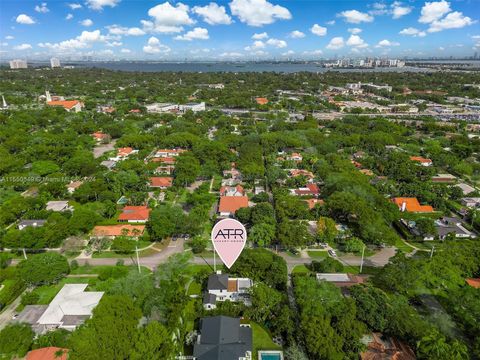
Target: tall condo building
x=18 y=64
x=54 y=62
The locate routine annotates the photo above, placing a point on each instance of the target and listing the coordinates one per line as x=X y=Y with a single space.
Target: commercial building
x=54 y=63
x=18 y=64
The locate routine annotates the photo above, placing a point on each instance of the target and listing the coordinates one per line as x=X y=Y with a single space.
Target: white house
x=61 y=205
x=192 y=106
x=68 y=310
x=471 y=202
x=222 y=287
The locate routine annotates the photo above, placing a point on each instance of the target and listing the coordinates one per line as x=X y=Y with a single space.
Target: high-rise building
x=54 y=62
x=18 y=64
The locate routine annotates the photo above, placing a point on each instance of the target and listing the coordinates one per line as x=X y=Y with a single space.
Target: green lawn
x=46 y=293
x=300 y=269
x=88 y=269
x=401 y=245
x=318 y=254
x=194 y=289
x=262 y=340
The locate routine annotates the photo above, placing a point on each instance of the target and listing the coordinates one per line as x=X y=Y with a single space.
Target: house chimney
x=47 y=94
x=404 y=206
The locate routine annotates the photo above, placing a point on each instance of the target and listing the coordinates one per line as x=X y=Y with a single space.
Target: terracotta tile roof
x=301 y=172
x=230 y=204
x=261 y=100
x=134 y=213
x=99 y=135
x=411 y=204
x=161 y=181
x=166 y=160
x=420 y=159
x=135 y=111
x=47 y=353
x=124 y=151
x=312 y=202
x=117 y=230
x=232 y=285
x=474 y=282
x=67 y=104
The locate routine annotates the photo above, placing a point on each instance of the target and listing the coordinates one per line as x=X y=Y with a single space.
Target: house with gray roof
x=222 y=287
x=33 y=223
x=223 y=338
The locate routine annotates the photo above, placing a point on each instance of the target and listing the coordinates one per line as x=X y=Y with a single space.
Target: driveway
x=380 y=259
x=7 y=313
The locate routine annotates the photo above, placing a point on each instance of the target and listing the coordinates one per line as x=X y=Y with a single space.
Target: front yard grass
x=318 y=254
x=262 y=340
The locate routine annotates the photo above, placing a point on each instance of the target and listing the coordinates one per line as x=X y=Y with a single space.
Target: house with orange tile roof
x=134 y=214
x=295 y=157
x=411 y=205
x=301 y=172
x=73 y=186
x=100 y=136
x=48 y=353
x=382 y=347
x=125 y=152
x=475 y=283
x=261 y=101
x=68 y=105
x=222 y=287
x=421 y=160
x=230 y=204
x=309 y=190
x=312 y=202
x=161 y=182
x=112 y=231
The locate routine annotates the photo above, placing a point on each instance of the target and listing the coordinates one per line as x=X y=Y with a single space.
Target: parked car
x=323 y=245
x=332 y=253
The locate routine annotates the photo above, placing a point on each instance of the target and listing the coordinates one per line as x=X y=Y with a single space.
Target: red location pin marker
x=229 y=238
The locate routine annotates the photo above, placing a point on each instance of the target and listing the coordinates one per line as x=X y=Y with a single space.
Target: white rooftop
x=333 y=277
x=71 y=300
x=467 y=189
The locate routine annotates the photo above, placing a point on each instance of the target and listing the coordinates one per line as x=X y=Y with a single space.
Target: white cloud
x=331 y=22
x=260 y=36
x=120 y=30
x=474 y=37
x=354 y=31
x=313 y=52
x=336 y=43
x=4 y=44
x=196 y=34
x=379 y=9
x=25 y=19
x=432 y=11
x=114 y=43
x=84 y=40
x=277 y=43
x=213 y=14
x=154 y=46
x=69 y=17
x=318 y=30
x=22 y=47
x=258 y=12
x=398 y=10
x=42 y=8
x=258 y=44
x=75 y=6
x=100 y=4
x=10 y=37
x=168 y=18
x=296 y=34
x=288 y=53
x=231 y=55
x=86 y=22
x=411 y=31
x=355 y=16
x=386 y=43
x=441 y=48
x=125 y=51
x=356 y=41
x=454 y=20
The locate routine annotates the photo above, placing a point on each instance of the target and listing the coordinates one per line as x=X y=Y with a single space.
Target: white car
x=332 y=253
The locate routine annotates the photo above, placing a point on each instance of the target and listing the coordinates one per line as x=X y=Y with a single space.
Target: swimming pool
x=270 y=355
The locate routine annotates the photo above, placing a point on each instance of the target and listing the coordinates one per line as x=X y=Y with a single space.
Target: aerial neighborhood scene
x=240 y=180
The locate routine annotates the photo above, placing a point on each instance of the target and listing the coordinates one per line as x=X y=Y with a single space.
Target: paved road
x=7 y=313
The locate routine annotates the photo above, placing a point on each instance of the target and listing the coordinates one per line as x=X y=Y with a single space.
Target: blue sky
x=237 y=29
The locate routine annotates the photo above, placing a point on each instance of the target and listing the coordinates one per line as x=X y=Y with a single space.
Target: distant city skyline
x=237 y=30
